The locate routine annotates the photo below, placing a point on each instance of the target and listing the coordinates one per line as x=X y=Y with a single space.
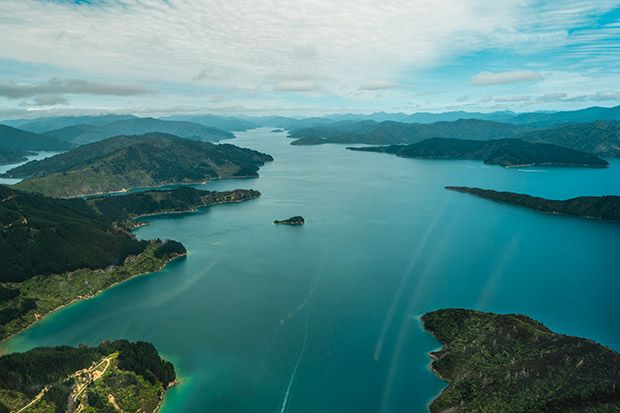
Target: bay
x=324 y=317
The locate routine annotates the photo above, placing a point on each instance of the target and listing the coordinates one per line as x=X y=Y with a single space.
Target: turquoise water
x=323 y=318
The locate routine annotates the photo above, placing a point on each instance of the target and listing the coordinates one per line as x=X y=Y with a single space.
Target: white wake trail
x=297 y=364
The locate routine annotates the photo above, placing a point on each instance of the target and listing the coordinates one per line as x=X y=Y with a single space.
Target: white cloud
x=55 y=86
x=512 y=99
x=500 y=78
x=263 y=49
x=296 y=86
x=378 y=85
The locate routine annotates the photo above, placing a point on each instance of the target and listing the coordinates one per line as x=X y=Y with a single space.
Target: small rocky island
x=595 y=207
x=514 y=364
x=296 y=220
x=277 y=131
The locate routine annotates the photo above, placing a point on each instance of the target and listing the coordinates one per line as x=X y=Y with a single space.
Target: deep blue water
x=323 y=318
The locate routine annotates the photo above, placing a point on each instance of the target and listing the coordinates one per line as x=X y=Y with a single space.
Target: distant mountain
x=20 y=140
x=139 y=126
x=403 y=133
x=597 y=207
x=69 y=133
x=424 y=117
x=45 y=124
x=544 y=119
x=600 y=138
x=227 y=123
x=146 y=160
x=503 y=152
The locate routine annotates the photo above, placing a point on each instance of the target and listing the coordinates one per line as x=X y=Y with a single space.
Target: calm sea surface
x=324 y=317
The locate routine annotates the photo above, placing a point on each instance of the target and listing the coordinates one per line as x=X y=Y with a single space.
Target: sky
x=306 y=57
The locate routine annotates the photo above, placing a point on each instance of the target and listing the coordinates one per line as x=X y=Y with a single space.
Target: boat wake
x=300 y=357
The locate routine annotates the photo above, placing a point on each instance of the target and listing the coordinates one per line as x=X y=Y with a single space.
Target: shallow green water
x=322 y=318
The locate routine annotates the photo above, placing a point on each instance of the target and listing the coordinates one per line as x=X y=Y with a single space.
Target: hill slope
x=598 y=207
x=504 y=152
x=17 y=139
x=600 y=138
x=8 y=156
x=136 y=161
x=513 y=364
x=42 y=235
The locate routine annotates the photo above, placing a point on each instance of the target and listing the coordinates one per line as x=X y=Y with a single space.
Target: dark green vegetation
x=296 y=220
x=504 y=152
x=513 y=364
x=12 y=155
x=27 y=301
x=146 y=160
x=19 y=140
x=42 y=235
x=54 y=251
x=390 y=132
x=598 y=207
x=600 y=138
x=67 y=379
x=86 y=133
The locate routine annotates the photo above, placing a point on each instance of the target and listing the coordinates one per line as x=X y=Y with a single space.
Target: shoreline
x=149 y=188
x=187 y=211
x=83 y=298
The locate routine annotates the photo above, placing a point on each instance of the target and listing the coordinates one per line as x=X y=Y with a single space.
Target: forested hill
x=125 y=207
x=131 y=376
x=42 y=235
x=597 y=207
x=601 y=138
x=514 y=364
x=390 y=132
x=8 y=156
x=504 y=152
x=146 y=160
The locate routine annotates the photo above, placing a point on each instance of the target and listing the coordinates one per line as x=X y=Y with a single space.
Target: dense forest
x=504 y=152
x=42 y=235
x=513 y=364
x=136 y=161
x=599 y=207
x=8 y=156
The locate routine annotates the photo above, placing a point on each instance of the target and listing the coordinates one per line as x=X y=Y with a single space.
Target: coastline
x=154 y=187
x=84 y=298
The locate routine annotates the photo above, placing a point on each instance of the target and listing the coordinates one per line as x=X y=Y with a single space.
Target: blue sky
x=155 y=57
